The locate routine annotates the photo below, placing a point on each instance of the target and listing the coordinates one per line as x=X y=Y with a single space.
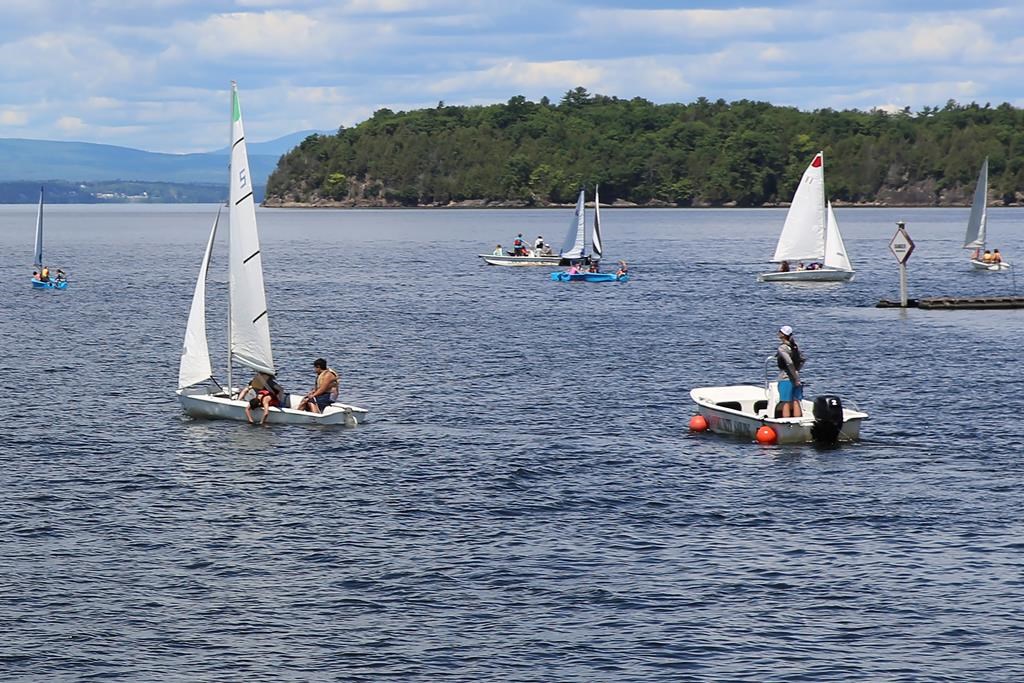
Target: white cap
x=786 y=330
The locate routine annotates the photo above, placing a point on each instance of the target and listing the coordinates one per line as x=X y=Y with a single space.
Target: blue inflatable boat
x=588 y=277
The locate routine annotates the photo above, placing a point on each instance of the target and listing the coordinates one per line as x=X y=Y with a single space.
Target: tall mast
x=231 y=142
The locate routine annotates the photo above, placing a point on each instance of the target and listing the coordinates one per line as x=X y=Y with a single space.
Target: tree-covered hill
x=705 y=153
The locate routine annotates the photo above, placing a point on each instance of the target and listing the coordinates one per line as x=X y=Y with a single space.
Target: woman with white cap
x=790 y=362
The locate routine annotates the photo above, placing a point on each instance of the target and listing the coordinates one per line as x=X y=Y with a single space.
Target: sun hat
x=786 y=330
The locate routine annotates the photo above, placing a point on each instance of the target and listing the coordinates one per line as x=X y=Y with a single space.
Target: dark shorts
x=323 y=400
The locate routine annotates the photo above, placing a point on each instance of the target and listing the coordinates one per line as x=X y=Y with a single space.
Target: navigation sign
x=901 y=245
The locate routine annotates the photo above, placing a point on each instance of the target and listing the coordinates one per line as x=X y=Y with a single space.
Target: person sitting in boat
x=784 y=267
x=498 y=251
x=987 y=256
x=44 y=274
x=573 y=269
x=538 y=244
x=518 y=246
x=265 y=399
x=35 y=275
x=325 y=391
x=623 y=270
x=546 y=251
x=996 y=256
x=264 y=381
x=594 y=267
x=800 y=266
x=813 y=266
x=790 y=362
x=61 y=277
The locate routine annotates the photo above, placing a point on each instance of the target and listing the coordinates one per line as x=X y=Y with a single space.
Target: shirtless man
x=325 y=390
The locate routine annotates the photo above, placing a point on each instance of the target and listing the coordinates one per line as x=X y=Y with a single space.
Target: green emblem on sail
x=236 y=110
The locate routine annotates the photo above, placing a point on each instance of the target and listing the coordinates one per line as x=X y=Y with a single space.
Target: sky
x=155 y=74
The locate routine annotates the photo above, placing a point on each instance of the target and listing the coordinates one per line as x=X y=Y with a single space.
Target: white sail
x=596 y=244
x=37 y=259
x=575 y=239
x=195 y=353
x=250 y=328
x=835 y=250
x=977 y=223
x=803 y=234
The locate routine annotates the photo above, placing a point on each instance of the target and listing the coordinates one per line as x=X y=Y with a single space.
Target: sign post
x=902 y=247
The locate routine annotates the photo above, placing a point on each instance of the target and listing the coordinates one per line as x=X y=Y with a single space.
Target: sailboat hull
x=199 y=403
x=588 y=277
x=36 y=284
x=981 y=265
x=818 y=275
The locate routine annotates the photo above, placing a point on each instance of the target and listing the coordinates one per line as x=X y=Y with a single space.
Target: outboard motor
x=828 y=420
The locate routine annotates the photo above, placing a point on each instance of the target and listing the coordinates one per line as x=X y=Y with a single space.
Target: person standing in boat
x=325 y=391
x=790 y=362
x=538 y=245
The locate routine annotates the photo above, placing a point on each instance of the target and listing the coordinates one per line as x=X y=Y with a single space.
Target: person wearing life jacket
x=996 y=256
x=44 y=274
x=987 y=256
x=326 y=390
x=265 y=399
x=518 y=247
x=622 y=271
x=790 y=362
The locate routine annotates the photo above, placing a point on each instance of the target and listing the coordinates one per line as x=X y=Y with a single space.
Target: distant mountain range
x=85 y=162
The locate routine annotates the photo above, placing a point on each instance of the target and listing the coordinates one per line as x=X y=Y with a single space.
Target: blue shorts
x=323 y=400
x=787 y=392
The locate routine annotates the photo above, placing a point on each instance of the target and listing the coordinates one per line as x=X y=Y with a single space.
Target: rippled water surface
x=527 y=503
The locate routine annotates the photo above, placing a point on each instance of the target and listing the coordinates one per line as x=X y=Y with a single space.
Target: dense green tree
x=702 y=153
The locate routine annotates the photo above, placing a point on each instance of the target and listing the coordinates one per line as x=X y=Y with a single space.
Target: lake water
x=527 y=503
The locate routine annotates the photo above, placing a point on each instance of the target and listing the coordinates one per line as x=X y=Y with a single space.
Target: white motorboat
x=741 y=410
x=571 y=252
x=811 y=233
x=248 y=323
x=977 y=225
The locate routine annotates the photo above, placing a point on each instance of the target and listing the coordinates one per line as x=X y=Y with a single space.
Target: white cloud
x=13 y=117
x=71 y=124
x=691 y=23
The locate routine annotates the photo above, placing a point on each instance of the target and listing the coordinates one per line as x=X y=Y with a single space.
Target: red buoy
x=698 y=423
x=766 y=435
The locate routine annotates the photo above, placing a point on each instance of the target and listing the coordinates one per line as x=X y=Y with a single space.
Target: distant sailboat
x=571 y=250
x=248 y=324
x=977 y=225
x=37 y=259
x=811 y=233
x=575 y=245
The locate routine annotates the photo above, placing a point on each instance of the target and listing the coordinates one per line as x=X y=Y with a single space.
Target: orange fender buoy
x=767 y=435
x=698 y=423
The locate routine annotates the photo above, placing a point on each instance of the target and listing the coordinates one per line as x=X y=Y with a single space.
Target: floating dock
x=958 y=303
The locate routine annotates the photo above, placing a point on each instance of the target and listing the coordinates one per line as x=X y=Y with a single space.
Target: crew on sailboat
x=997 y=257
x=518 y=246
x=325 y=391
x=538 y=244
x=263 y=381
x=44 y=274
x=790 y=362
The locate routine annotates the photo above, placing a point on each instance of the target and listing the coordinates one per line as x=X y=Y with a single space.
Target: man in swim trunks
x=325 y=390
x=790 y=361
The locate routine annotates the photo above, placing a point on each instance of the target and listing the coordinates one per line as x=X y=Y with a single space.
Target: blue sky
x=154 y=74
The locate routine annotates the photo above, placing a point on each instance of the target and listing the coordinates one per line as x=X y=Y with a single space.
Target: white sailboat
x=248 y=324
x=575 y=245
x=57 y=282
x=977 y=225
x=811 y=233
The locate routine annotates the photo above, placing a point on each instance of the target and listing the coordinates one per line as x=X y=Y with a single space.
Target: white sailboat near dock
x=248 y=321
x=977 y=225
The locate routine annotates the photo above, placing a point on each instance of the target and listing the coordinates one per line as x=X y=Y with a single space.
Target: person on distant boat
x=997 y=257
x=547 y=251
x=813 y=266
x=784 y=267
x=573 y=269
x=518 y=246
x=44 y=274
x=325 y=391
x=538 y=244
x=623 y=270
x=594 y=267
x=61 y=277
x=497 y=251
x=790 y=362
x=35 y=275
x=800 y=266
x=987 y=256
